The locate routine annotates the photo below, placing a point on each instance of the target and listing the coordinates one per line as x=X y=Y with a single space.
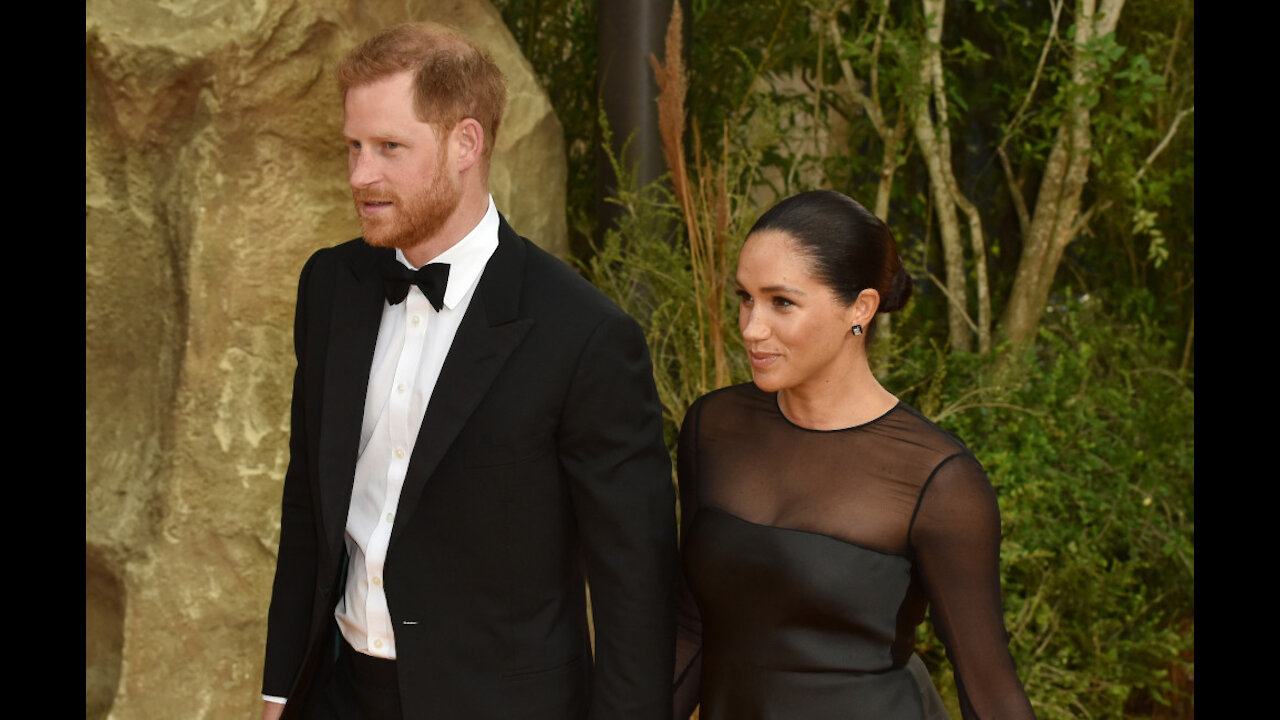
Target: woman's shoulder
x=731 y=398
x=733 y=409
x=915 y=428
x=925 y=455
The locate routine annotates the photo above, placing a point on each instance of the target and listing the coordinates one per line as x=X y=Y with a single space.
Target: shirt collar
x=467 y=257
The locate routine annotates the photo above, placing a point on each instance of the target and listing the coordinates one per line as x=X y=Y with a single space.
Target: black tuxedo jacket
x=540 y=461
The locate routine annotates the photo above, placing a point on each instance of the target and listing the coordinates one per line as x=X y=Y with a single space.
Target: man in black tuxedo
x=470 y=441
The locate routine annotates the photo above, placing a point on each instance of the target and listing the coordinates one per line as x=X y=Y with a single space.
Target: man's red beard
x=409 y=221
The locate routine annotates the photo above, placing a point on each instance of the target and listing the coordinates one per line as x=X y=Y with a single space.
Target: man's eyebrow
x=386 y=136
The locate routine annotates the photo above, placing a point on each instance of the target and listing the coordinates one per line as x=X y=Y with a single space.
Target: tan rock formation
x=214 y=167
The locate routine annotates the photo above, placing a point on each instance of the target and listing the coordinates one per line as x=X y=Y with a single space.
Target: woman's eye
x=744 y=297
x=782 y=302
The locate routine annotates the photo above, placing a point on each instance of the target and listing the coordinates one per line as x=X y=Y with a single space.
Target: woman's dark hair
x=848 y=248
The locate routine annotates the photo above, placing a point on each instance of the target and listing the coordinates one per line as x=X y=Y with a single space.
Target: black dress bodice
x=811 y=556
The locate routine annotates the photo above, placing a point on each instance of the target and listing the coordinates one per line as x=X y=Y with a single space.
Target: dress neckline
x=777 y=407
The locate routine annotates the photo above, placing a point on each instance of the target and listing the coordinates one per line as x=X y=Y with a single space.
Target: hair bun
x=899 y=291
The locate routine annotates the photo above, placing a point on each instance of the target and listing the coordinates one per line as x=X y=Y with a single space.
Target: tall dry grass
x=703 y=197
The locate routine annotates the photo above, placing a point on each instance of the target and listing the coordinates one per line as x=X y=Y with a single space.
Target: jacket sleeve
x=289 y=616
x=612 y=450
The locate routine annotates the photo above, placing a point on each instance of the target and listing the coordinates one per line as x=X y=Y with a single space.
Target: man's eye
x=392 y=145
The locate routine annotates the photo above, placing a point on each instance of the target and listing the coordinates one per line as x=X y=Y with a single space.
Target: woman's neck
x=840 y=399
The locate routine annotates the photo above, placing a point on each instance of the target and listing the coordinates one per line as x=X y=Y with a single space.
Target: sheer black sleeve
x=956 y=540
x=688 y=620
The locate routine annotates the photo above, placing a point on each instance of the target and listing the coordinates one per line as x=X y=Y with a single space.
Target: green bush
x=1089 y=441
x=645 y=265
x=1088 y=437
x=1087 y=434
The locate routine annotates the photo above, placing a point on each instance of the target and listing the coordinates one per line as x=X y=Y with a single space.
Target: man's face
x=402 y=179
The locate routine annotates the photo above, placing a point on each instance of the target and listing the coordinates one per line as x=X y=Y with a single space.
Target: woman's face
x=796 y=331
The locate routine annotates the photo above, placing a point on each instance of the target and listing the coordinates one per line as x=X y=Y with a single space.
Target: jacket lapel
x=357 y=312
x=488 y=334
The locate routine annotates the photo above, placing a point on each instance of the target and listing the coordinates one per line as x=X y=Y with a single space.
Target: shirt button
x=377 y=644
x=377 y=581
x=399 y=452
x=389 y=517
x=401 y=387
x=416 y=320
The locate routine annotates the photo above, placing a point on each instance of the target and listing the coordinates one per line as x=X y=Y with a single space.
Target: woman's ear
x=864 y=308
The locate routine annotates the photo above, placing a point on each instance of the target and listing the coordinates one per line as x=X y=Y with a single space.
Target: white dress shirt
x=413 y=340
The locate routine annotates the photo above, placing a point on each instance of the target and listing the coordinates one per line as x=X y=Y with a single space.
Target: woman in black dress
x=821 y=516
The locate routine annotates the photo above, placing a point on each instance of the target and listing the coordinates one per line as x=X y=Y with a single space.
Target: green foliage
x=645 y=265
x=1089 y=440
x=766 y=35
x=558 y=38
x=1149 y=194
x=1087 y=433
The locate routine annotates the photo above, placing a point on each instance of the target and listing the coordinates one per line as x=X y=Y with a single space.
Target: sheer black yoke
x=810 y=557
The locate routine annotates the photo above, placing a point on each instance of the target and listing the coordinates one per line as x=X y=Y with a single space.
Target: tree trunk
x=1065 y=174
x=890 y=135
x=627 y=32
x=934 y=140
x=888 y=166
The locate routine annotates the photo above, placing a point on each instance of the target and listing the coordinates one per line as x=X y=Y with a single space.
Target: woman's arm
x=688 y=674
x=956 y=540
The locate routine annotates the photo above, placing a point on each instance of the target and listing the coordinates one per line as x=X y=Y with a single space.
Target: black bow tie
x=431 y=279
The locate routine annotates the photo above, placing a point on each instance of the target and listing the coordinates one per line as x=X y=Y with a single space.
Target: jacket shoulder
x=555 y=285
x=327 y=263
x=347 y=252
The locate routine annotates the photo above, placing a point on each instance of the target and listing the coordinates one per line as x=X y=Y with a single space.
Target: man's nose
x=363 y=169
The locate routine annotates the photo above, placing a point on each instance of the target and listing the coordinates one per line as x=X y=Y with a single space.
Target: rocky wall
x=214 y=166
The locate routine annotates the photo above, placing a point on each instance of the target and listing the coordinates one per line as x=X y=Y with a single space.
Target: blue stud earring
x=857 y=329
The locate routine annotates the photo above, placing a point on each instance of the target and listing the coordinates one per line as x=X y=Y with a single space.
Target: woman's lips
x=761 y=360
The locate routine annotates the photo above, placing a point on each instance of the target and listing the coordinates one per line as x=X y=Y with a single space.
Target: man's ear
x=468 y=141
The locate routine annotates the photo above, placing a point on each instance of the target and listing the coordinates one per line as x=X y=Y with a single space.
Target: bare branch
x=817 y=103
x=875 y=54
x=1083 y=221
x=951 y=299
x=1186 y=348
x=1056 y=7
x=765 y=58
x=1173 y=128
x=1019 y=202
x=868 y=104
x=944 y=414
x=1173 y=50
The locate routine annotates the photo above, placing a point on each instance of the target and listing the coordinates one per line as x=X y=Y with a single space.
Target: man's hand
x=272 y=710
